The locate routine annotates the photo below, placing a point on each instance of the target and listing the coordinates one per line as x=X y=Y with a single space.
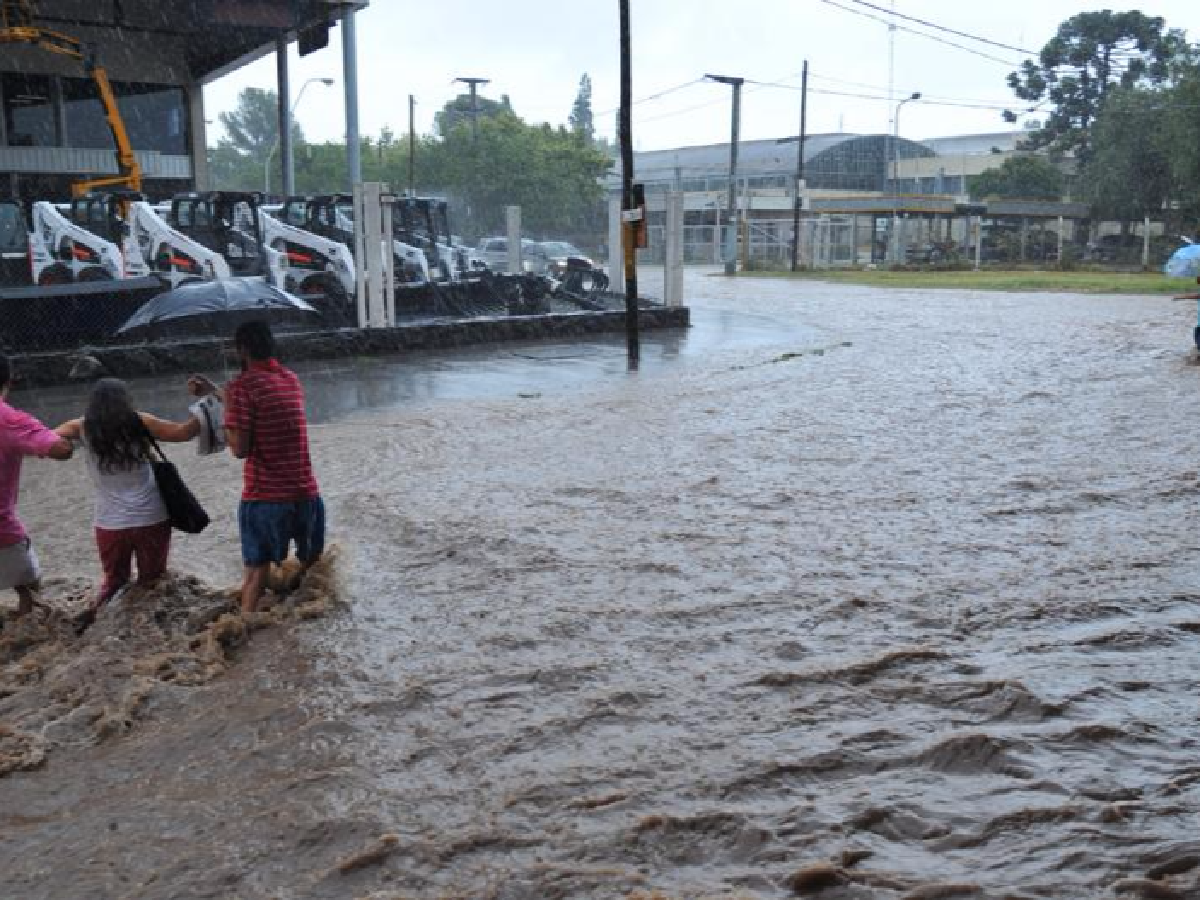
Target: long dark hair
x=113 y=428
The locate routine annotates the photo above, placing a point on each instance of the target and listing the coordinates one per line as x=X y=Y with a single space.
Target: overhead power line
x=925 y=101
x=655 y=96
x=924 y=34
x=946 y=29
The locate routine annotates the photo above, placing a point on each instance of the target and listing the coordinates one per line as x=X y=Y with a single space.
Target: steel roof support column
x=283 y=97
x=350 y=73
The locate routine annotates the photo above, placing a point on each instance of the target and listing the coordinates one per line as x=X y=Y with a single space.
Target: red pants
x=150 y=544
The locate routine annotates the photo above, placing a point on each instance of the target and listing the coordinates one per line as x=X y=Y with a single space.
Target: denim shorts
x=269 y=528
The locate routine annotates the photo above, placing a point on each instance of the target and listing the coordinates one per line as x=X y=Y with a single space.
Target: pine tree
x=581 y=111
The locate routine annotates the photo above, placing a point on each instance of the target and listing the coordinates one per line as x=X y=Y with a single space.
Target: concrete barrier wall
x=166 y=357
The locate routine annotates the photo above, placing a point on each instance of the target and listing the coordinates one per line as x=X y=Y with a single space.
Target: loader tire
x=56 y=274
x=94 y=273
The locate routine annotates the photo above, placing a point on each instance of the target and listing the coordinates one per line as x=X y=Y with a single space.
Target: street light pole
x=473 y=84
x=289 y=175
x=731 y=215
x=797 y=201
x=916 y=95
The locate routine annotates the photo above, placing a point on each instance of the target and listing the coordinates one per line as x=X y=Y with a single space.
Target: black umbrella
x=216 y=307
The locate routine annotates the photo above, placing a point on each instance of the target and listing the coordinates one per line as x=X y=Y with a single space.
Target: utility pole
x=412 y=145
x=800 y=167
x=625 y=137
x=473 y=84
x=731 y=214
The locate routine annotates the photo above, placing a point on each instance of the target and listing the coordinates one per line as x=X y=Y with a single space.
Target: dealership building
x=158 y=54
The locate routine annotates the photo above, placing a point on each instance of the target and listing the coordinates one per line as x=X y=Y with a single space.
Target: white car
x=494 y=252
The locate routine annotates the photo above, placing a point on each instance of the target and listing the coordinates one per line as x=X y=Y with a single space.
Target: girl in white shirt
x=130 y=519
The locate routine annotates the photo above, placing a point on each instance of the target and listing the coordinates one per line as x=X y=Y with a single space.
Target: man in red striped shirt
x=265 y=425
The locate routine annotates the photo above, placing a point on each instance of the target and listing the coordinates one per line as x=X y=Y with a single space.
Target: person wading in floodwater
x=130 y=519
x=265 y=425
x=1196 y=330
x=21 y=435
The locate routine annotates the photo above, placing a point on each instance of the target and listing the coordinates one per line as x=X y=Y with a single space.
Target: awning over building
x=189 y=40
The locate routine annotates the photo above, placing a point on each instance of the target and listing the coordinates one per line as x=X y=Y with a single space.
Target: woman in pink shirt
x=21 y=435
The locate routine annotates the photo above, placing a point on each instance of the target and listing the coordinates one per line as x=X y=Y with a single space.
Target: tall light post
x=288 y=175
x=896 y=254
x=473 y=84
x=731 y=215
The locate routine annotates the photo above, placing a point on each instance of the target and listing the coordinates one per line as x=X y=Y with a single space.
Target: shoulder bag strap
x=153 y=442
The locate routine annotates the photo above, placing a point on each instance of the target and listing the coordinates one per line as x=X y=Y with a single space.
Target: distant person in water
x=1196 y=330
x=21 y=435
x=266 y=426
x=131 y=522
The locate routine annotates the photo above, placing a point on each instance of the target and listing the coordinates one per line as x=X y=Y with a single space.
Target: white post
x=389 y=263
x=512 y=217
x=978 y=241
x=360 y=258
x=372 y=230
x=616 y=249
x=1146 y=243
x=1060 y=240
x=673 y=251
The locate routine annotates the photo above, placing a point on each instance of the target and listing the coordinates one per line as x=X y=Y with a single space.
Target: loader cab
x=296 y=211
x=225 y=222
x=14 y=245
x=105 y=215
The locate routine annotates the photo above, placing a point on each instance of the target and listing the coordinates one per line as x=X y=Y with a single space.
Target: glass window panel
x=86 y=125
x=29 y=110
x=155 y=116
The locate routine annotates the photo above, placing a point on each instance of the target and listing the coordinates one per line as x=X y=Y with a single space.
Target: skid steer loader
x=61 y=252
x=316 y=268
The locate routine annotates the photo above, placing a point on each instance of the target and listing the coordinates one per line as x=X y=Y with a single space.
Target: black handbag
x=183 y=509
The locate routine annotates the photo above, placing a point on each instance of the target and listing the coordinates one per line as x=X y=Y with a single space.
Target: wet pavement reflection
x=336 y=388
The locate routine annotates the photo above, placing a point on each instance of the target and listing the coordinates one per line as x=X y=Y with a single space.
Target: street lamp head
x=328 y=82
x=916 y=95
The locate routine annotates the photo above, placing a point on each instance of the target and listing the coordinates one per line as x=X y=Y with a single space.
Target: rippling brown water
x=910 y=609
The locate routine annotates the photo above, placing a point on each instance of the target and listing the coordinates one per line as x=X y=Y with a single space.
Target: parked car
x=494 y=252
x=557 y=253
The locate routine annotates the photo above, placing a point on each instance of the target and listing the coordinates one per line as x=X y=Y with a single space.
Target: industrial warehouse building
x=158 y=54
x=862 y=194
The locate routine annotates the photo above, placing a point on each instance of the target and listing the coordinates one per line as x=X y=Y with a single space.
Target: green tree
x=458 y=111
x=251 y=131
x=1179 y=131
x=1129 y=173
x=1091 y=54
x=548 y=172
x=581 y=119
x=1019 y=178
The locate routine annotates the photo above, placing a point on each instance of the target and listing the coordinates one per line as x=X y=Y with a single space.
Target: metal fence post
x=616 y=256
x=512 y=219
x=673 y=250
x=389 y=262
x=360 y=257
x=373 y=235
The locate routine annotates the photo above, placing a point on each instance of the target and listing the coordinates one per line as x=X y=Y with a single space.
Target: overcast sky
x=536 y=50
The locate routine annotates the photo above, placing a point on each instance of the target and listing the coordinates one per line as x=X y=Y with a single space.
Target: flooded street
x=851 y=592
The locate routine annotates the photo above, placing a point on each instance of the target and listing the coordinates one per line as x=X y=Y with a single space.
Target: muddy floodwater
x=883 y=594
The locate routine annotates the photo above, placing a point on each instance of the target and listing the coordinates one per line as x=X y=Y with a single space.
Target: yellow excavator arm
x=17 y=26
